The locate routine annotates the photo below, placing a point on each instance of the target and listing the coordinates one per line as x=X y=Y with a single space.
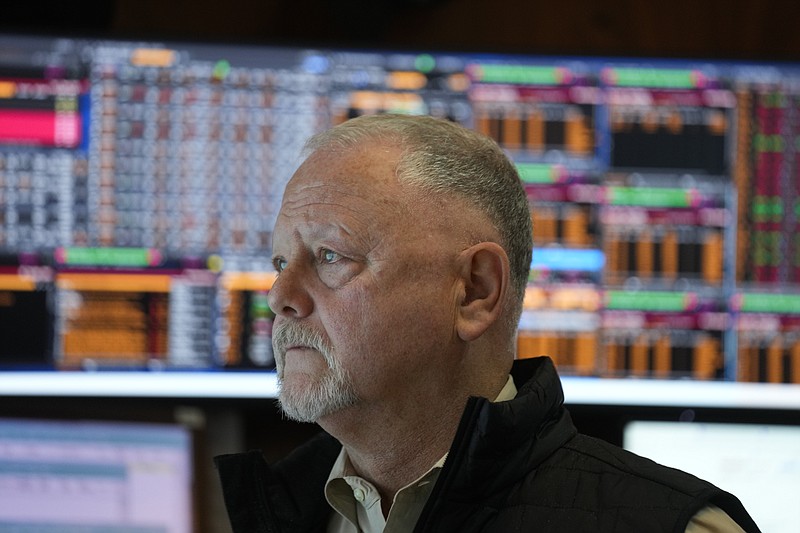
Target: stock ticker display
x=139 y=182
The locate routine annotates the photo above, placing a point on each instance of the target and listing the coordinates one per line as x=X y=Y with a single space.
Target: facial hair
x=325 y=394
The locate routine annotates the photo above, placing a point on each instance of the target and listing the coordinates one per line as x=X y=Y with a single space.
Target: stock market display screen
x=139 y=182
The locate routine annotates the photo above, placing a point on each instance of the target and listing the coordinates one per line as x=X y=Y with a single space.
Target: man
x=403 y=246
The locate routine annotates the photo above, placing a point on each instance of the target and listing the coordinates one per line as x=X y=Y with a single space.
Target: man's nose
x=289 y=296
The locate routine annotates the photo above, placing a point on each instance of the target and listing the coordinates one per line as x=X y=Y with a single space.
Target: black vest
x=516 y=466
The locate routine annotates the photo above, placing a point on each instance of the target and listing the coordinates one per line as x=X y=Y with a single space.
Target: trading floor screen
x=93 y=477
x=139 y=183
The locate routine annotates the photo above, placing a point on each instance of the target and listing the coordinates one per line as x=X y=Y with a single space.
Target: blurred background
x=144 y=146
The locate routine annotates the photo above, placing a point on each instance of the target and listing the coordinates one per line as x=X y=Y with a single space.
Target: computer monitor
x=758 y=463
x=92 y=477
x=140 y=180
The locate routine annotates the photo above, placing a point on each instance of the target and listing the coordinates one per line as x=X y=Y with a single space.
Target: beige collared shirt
x=357 y=503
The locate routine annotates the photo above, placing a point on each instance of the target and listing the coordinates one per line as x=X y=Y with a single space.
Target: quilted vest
x=517 y=466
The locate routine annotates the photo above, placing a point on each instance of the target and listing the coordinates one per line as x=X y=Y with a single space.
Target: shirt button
x=359 y=495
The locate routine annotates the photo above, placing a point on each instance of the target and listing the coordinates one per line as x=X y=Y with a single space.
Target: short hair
x=444 y=157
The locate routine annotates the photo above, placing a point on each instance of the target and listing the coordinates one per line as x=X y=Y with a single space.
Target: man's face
x=364 y=300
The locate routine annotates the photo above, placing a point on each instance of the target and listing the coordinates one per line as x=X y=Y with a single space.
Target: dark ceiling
x=736 y=29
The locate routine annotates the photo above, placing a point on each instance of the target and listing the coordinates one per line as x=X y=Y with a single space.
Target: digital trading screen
x=139 y=183
x=759 y=463
x=93 y=477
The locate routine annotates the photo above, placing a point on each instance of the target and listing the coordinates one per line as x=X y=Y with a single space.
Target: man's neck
x=393 y=448
x=393 y=445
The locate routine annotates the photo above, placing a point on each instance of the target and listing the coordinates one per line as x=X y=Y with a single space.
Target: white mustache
x=286 y=334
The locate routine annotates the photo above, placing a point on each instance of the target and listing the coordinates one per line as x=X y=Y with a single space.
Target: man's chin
x=300 y=399
x=308 y=403
x=297 y=415
x=299 y=411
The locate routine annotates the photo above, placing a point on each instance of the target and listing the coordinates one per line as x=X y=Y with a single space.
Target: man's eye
x=329 y=256
x=279 y=263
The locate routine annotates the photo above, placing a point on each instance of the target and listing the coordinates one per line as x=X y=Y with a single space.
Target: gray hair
x=446 y=158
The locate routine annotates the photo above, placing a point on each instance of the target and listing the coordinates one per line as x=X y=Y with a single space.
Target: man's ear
x=485 y=275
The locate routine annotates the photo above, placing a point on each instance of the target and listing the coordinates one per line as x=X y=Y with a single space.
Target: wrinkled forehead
x=345 y=186
x=362 y=182
x=369 y=166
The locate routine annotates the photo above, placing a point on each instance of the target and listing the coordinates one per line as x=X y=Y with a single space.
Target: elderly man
x=402 y=248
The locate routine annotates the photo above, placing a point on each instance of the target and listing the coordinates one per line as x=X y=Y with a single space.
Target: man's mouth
x=299 y=347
